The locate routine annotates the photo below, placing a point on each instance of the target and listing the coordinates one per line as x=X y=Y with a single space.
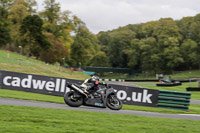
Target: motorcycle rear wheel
x=71 y=100
x=113 y=102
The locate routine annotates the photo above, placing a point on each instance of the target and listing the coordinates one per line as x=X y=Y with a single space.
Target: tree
x=56 y=53
x=149 y=55
x=172 y=54
x=166 y=28
x=84 y=47
x=148 y=29
x=18 y=10
x=168 y=42
x=104 y=40
x=185 y=27
x=51 y=16
x=77 y=23
x=4 y=27
x=31 y=29
x=65 y=28
x=119 y=43
x=189 y=52
x=100 y=59
x=59 y=24
x=5 y=3
x=134 y=54
x=195 y=33
x=30 y=4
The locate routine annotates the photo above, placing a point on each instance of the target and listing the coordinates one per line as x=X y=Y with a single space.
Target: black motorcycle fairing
x=96 y=98
x=97 y=102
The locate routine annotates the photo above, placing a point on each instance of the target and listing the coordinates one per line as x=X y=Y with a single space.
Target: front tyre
x=72 y=99
x=113 y=102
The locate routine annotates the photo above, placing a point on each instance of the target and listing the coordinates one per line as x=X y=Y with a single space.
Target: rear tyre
x=113 y=102
x=72 y=100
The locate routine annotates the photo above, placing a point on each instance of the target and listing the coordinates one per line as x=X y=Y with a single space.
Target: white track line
x=190 y=114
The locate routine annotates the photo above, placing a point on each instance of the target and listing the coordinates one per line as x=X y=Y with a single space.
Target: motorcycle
x=101 y=95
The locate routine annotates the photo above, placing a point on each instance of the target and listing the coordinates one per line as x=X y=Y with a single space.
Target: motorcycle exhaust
x=79 y=90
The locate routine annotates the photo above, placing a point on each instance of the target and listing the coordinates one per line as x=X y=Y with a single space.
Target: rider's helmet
x=94 y=78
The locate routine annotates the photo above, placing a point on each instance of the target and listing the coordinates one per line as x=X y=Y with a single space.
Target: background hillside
x=18 y=63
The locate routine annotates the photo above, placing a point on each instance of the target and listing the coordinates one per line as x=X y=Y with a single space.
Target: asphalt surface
x=19 y=102
x=122 y=83
x=194 y=101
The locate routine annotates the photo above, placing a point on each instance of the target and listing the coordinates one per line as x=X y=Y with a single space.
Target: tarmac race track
x=19 y=102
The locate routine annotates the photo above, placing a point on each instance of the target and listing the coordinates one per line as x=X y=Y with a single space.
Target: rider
x=92 y=80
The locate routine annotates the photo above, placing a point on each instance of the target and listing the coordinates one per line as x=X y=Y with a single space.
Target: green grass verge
x=18 y=63
x=194 y=109
x=194 y=94
x=177 y=75
x=18 y=119
x=187 y=74
x=30 y=96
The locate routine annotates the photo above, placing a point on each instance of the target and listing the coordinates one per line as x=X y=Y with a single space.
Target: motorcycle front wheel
x=113 y=102
x=72 y=100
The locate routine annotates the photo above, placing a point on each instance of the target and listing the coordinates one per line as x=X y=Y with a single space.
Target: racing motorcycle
x=101 y=95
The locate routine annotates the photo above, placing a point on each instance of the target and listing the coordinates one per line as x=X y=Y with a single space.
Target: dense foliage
x=31 y=28
x=54 y=36
x=157 y=46
x=4 y=26
x=51 y=35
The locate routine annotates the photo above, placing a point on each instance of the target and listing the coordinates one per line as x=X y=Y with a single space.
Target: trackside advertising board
x=35 y=83
x=137 y=96
x=58 y=86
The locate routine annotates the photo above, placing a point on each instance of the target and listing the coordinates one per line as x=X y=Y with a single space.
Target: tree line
x=161 y=46
x=50 y=35
x=54 y=36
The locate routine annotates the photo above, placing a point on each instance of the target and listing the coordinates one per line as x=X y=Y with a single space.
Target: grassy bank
x=18 y=63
